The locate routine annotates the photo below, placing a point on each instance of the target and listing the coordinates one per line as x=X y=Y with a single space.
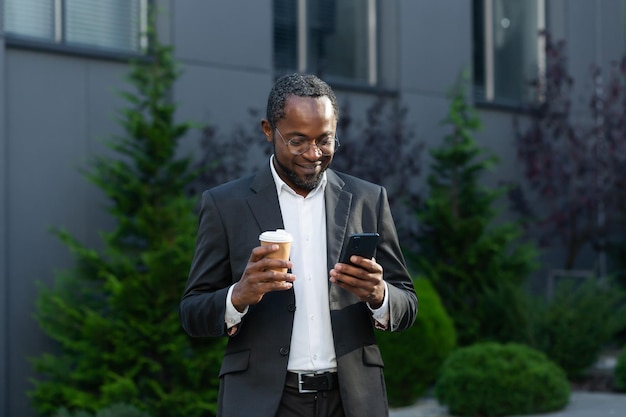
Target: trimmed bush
x=620 y=372
x=413 y=358
x=575 y=325
x=491 y=379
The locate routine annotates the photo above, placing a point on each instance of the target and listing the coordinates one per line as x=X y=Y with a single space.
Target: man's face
x=312 y=118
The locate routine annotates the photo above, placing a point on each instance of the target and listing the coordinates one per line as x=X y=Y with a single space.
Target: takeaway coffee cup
x=281 y=238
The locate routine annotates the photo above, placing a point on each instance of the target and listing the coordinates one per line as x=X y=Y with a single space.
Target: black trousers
x=310 y=404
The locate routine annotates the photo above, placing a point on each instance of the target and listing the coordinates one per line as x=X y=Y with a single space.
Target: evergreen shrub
x=620 y=372
x=491 y=379
x=413 y=357
x=580 y=319
x=114 y=315
x=470 y=255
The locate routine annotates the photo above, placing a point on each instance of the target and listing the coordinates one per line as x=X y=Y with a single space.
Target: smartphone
x=361 y=244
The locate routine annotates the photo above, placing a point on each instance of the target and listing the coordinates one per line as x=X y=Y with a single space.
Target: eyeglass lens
x=300 y=145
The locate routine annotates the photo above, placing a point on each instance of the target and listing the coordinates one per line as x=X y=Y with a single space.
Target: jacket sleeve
x=203 y=304
x=402 y=297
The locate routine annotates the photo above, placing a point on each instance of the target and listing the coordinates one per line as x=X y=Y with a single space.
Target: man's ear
x=267 y=130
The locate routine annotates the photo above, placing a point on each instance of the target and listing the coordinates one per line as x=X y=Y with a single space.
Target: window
x=508 y=51
x=118 y=25
x=310 y=37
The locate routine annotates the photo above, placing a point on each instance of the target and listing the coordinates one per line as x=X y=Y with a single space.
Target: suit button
x=291 y=307
x=284 y=351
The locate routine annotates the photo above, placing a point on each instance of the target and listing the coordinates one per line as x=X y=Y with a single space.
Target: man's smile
x=309 y=169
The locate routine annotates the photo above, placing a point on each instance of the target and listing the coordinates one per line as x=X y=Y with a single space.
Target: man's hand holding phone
x=357 y=270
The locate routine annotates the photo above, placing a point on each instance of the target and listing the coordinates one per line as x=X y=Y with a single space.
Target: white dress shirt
x=312 y=347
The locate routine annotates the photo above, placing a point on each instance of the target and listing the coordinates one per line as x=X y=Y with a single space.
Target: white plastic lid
x=275 y=236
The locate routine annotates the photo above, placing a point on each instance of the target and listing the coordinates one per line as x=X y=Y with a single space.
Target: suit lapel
x=338 y=204
x=264 y=202
x=266 y=210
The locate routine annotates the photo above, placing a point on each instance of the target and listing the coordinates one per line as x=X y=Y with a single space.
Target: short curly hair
x=301 y=85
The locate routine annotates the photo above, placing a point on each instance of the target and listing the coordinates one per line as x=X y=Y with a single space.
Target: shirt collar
x=282 y=185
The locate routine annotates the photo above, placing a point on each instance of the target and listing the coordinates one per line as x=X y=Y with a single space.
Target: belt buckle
x=300 y=382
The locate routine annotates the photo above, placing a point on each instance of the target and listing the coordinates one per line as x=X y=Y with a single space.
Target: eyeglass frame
x=287 y=142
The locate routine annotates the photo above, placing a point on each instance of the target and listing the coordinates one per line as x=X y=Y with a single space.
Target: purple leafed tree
x=382 y=147
x=574 y=157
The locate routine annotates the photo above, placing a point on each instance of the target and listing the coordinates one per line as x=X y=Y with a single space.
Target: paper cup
x=281 y=238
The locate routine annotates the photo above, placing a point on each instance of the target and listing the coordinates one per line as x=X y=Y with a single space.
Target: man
x=301 y=343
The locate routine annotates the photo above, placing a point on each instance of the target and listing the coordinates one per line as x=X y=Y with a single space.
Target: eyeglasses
x=299 y=144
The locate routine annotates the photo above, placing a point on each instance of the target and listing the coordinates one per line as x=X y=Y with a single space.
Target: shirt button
x=291 y=307
x=284 y=351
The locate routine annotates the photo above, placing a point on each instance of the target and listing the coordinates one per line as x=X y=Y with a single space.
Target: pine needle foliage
x=474 y=262
x=114 y=314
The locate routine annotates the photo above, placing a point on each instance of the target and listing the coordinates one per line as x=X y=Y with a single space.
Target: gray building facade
x=58 y=101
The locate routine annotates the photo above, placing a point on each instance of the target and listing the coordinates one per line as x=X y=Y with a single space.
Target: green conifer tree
x=472 y=260
x=115 y=314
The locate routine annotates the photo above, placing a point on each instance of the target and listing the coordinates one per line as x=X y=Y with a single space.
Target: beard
x=307 y=183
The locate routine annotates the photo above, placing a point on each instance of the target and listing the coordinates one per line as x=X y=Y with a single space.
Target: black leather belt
x=312 y=382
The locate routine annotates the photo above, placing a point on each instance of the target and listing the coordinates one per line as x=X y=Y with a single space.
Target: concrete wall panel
x=4 y=235
x=435 y=44
x=221 y=98
x=224 y=34
x=46 y=128
x=57 y=104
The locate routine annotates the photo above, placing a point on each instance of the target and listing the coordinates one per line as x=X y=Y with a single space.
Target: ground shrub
x=491 y=379
x=620 y=372
x=413 y=358
x=573 y=326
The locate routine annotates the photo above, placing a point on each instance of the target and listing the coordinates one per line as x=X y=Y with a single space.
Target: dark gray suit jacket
x=254 y=367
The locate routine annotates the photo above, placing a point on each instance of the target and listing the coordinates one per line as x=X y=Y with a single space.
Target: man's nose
x=313 y=152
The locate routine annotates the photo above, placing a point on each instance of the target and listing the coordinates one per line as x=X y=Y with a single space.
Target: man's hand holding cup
x=267 y=269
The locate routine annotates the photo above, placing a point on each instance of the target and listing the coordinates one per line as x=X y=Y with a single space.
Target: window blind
x=103 y=24
x=112 y=24
x=285 y=35
x=31 y=18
